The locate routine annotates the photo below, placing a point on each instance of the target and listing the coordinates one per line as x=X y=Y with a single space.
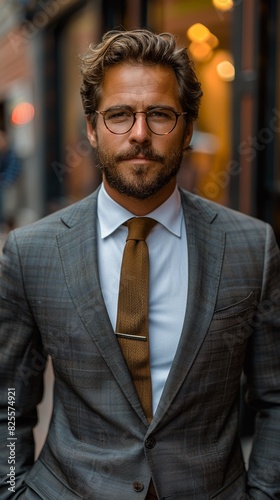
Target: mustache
x=146 y=152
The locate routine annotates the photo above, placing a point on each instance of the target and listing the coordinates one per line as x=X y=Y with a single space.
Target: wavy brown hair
x=139 y=46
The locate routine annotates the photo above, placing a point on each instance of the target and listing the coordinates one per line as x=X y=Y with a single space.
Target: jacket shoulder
x=58 y=221
x=220 y=215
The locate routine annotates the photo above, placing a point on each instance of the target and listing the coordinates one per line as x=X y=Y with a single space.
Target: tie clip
x=132 y=337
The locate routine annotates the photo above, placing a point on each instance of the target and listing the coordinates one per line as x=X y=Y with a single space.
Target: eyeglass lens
x=159 y=120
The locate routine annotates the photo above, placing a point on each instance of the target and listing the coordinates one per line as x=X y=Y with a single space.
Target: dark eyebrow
x=160 y=106
x=149 y=108
x=117 y=106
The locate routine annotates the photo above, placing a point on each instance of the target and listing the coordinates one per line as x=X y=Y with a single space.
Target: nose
x=140 y=131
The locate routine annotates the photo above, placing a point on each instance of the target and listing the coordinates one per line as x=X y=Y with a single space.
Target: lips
x=145 y=158
x=137 y=157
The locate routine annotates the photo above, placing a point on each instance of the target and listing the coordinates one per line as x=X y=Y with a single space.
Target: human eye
x=161 y=114
x=118 y=115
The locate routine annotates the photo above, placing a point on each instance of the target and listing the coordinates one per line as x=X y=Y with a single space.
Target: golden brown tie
x=133 y=307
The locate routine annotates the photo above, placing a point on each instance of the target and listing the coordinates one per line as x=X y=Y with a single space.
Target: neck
x=141 y=207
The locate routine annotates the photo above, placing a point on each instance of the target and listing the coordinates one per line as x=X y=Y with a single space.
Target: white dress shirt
x=168 y=276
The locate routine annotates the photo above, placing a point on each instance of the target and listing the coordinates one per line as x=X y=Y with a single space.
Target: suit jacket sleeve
x=21 y=373
x=262 y=369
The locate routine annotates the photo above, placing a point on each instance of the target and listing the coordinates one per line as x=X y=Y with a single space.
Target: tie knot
x=139 y=227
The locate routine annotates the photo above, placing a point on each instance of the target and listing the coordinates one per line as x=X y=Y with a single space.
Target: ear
x=91 y=133
x=188 y=134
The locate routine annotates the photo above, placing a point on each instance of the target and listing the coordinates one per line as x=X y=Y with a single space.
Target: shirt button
x=138 y=486
x=150 y=443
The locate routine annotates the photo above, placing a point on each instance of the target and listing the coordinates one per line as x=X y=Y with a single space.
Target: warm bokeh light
x=22 y=113
x=198 y=33
x=202 y=42
x=223 y=5
x=226 y=71
x=200 y=51
x=213 y=41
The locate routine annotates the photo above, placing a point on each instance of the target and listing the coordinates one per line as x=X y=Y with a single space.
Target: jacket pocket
x=235 y=308
x=235 y=490
x=239 y=316
x=47 y=485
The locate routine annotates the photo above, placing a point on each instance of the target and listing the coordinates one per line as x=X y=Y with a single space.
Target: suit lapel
x=78 y=251
x=205 y=250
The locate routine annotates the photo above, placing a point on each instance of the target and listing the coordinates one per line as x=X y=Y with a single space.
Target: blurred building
x=40 y=107
x=234 y=45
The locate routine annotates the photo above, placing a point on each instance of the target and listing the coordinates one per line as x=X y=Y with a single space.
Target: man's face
x=139 y=163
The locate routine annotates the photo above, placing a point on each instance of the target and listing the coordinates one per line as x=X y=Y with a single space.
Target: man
x=213 y=310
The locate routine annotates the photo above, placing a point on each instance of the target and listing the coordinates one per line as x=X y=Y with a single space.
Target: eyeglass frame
x=134 y=113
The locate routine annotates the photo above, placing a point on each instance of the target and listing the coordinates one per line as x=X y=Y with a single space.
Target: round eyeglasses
x=160 y=121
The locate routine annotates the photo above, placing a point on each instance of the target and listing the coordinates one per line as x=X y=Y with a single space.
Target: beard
x=139 y=185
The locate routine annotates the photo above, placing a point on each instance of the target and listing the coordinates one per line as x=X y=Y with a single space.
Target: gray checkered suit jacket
x=100 y=445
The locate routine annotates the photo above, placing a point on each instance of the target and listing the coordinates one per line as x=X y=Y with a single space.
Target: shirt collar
x=111 y=215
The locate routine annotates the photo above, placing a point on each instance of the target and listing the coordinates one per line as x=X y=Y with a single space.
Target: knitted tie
x=133 y=308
